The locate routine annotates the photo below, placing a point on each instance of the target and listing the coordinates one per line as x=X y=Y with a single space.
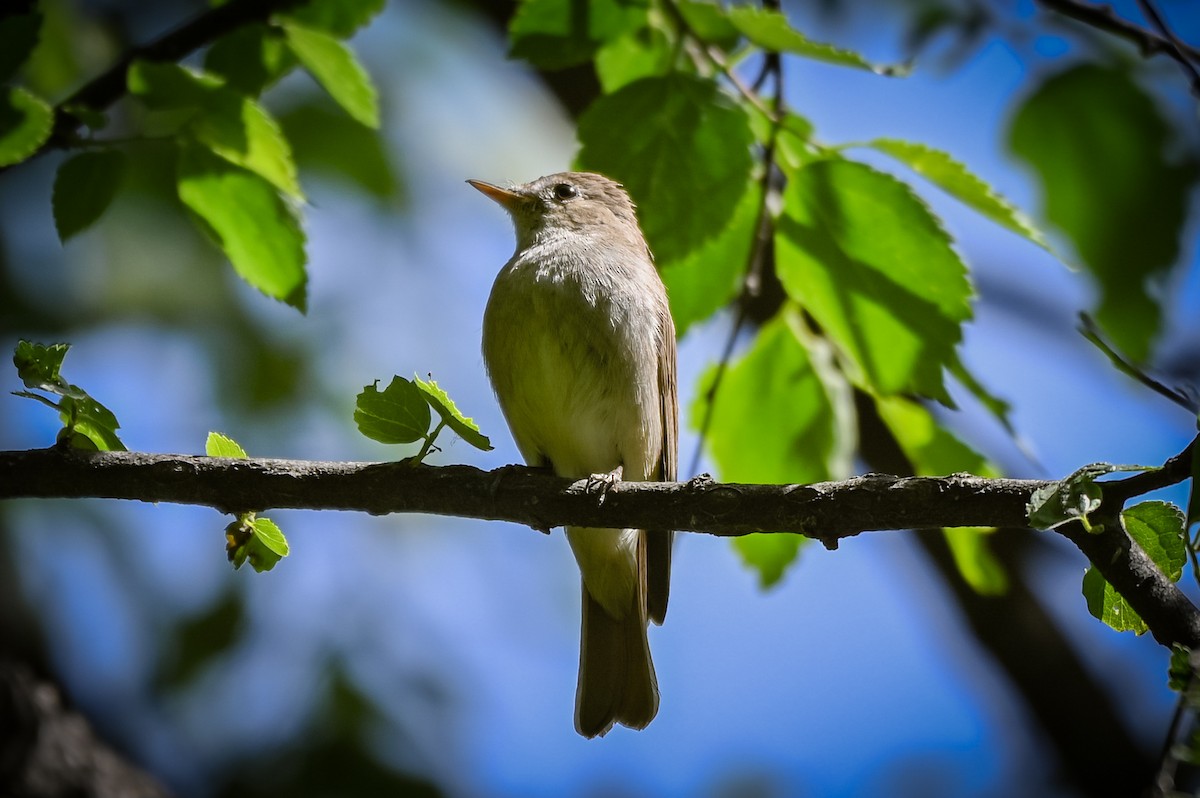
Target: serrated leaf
x=39 y=366
x=25 y=123
x=681 y=148
x=243 y=133
x=1124 y=176
x=464 y=427
x=1071 y=498
x=338 y=17
x=956 y=180
x=774 y=420
x=225 y=121
x=708 y=278
x=771 y=31
x=218 y=445
x=85 y=416
x=1158 y=528
x=398 y=414
x=864 y=255
x=553 y=34
x=251 y=223
x=84 y=187
x=331 y=142
x=336 y=68
x=250 y=59
x=19 y=34
x=257 y=540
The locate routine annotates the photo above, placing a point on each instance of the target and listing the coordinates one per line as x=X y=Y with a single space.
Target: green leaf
x=25 y=123
x=553 y=34
x=335 y=67
x=338 y=17
x=243 y=133
x=975 y=561
x=400 y=414
x=1102 y=151
x=1157 y=527
x=218 y=445
x=775 y=419
x=19 y=33
x=331 y=142
x=40 y=365
x=681 y=148
x=876 y=270
x=84 y=187
x=707 y=279
x=641 y=53
x=956 y=180
x=708 y=21
x=258 y=540
x=225 y=121
x=251 y=223
x=771 y=31
x=84 y=416
x=1073 y=498
x=440 y=401
x=250 y=59
x=167 y=86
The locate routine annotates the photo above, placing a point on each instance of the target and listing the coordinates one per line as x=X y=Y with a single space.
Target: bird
x=579 y=345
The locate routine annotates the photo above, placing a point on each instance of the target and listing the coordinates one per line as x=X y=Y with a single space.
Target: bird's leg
x=601 y=484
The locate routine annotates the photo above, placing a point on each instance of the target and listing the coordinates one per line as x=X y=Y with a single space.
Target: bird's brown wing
x=659 y=541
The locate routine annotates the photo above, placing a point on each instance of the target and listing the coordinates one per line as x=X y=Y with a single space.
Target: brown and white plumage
x=580 y=347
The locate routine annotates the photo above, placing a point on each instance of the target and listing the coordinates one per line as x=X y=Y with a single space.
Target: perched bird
x=580 y=347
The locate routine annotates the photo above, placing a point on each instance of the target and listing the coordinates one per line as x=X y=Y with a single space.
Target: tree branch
x=826 y=511
x=1102 y=17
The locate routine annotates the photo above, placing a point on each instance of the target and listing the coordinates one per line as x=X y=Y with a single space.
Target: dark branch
x=1102 y=17
x=827 y=511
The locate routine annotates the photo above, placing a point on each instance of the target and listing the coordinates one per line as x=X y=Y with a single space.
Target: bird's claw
x=601 y=484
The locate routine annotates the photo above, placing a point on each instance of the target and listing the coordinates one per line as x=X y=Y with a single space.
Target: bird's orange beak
x=508 y=199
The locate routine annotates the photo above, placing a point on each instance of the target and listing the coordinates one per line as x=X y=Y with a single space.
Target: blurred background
x=425 y=656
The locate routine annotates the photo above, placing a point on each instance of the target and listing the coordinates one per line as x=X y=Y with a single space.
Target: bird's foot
x=601 y=484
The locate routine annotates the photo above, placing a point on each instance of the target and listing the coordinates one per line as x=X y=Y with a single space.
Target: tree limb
x=1102 y=17
x=827 y=511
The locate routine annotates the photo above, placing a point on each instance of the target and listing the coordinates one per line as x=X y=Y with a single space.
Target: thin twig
x=1177 y=46
x=1103 y=18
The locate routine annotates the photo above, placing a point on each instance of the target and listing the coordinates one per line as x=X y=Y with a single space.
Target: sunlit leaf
x=870 y=262
x=774 y=420
x=336 y=68
x=250 y=58
x=248 y=219
x=771 y=31
x=440 y=401
x=218 y=445
x=25 y=124
x=681 y=148
x=338 y=17
x=956 y=180
x=553 y=34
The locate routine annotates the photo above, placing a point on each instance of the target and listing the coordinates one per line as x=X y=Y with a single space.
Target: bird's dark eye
x=565 y=191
